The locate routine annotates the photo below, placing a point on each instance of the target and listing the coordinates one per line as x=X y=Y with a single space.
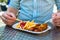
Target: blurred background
x=3 y=8
x=4 y=5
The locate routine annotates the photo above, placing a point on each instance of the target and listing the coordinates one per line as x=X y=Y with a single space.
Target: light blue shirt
x=37 y=10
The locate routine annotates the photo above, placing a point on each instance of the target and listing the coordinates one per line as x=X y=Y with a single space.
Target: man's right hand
x=8 y=18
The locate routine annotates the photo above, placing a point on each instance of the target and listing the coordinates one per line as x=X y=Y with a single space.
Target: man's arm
x=12 y=10
x=10 y=16
x=56 y=16
x=13 y=6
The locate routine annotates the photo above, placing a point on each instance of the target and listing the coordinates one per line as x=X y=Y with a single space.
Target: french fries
x=29 y=25
x=18 y=26
x=33 y=27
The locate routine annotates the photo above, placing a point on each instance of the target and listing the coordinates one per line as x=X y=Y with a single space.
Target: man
x=37 y=10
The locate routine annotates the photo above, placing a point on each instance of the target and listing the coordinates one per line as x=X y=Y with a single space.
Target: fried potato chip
x=29 y=25
x=26 y=25
x=18 y=26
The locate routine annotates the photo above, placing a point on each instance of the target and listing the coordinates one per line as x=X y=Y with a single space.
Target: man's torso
x=38 y=10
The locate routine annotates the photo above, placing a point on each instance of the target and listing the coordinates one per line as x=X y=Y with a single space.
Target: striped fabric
x=37 y=10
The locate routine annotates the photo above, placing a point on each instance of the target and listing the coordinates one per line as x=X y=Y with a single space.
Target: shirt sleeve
x=57 y=4
x=14 y=4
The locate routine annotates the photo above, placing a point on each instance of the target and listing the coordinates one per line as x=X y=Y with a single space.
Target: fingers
x=8 y=22
x=11 y=14
x=54 y=16
x=8 y=19
x=56 y=22
x=56 y=19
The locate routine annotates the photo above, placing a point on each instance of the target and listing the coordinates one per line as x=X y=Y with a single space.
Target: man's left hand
x=56 y=19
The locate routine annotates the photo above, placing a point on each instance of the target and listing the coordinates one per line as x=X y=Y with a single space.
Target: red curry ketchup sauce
x=22 y=24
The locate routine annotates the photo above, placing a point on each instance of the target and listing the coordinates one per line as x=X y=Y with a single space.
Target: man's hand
x=8 y=18
x=56 y=19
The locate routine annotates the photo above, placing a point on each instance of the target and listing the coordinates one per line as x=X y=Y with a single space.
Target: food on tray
x=18 y=26
x=32 y=26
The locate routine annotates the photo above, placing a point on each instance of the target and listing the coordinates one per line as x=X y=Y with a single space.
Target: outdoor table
x=12 y=34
